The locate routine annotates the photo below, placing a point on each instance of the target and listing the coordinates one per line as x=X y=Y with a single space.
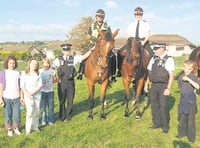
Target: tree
x=78 y=33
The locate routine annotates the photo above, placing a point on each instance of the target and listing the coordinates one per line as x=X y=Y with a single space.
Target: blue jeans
x=47 y=100
x=12 y=110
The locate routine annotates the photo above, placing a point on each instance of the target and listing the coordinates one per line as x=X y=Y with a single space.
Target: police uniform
x=66 y=87
x=159 y=69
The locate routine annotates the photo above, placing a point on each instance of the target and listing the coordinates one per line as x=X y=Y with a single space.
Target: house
x=49 y=53
x=176 y=44
x=34 y=50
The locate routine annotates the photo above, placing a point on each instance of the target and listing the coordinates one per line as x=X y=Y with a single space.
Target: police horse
x=97 y=69
x=195 y=57
x=134 y=70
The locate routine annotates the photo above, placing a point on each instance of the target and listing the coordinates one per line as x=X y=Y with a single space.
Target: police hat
x=66 y=47
x=158 y=45
x=138 y=11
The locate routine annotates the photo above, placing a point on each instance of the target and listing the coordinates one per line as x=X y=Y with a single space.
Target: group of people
x=34 y=87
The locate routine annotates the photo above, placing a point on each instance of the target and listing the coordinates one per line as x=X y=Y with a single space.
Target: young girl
x=10 y=95
x=187 y=108
x=47 y=99
x=31 y=83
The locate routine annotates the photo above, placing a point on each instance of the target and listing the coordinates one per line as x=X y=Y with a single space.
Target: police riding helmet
x=100 y=13
x=138 y=11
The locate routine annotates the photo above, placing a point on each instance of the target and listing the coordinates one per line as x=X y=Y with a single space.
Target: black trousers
x=66 y=91
x=186 y=126
x=159 y=106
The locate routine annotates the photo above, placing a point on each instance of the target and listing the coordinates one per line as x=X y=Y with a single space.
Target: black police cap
x=66 y=47
x=158 y=45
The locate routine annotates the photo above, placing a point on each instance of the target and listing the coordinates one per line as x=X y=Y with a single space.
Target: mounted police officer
x=140 y=30
x=161 y=74
x=92 y=37
x=65 y=65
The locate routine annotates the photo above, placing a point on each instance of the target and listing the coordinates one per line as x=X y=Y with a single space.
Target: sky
x=43 y=20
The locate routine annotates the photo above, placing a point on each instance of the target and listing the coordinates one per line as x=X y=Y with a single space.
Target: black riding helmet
x=100 y=13
x=138 y=11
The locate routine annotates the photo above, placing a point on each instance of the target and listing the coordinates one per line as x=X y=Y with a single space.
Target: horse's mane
x=108 y=36
x=129 y=57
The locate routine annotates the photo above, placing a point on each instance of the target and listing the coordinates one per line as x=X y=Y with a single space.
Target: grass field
x=115 y=131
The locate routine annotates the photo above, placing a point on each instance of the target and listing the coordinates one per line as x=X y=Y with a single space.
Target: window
x=179 y=47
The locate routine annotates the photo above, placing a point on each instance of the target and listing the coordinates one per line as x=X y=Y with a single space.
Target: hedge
x=19 y=54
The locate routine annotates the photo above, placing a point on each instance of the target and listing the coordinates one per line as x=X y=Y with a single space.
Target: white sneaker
x=10 y=133
x=16 y=130
x=50 y=123
x=43 y=123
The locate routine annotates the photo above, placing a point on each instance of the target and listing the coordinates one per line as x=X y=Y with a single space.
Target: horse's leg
x=139 y=90
x=90 y=98
x=104 y=86
x=126 y=87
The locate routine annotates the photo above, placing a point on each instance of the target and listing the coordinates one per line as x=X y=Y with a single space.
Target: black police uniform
x=159 y=77
x=66 y=88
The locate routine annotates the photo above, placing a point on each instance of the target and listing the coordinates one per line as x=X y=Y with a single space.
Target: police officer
x=140 y=30
x=161 y=74
x=92 y=37
x=65 y=65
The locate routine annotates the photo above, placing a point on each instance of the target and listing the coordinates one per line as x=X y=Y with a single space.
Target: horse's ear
x=115 y=33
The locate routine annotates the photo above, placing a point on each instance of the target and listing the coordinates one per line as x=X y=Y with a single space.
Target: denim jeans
x=47 y=100
x=12 y=110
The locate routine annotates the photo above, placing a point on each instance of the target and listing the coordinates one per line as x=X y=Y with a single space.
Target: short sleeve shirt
x=144 y=29
x=169 y=64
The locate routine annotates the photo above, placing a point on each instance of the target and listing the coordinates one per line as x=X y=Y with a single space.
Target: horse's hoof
x=90 y=117
x=126 y=115
x=138 y=116
x=102 y=118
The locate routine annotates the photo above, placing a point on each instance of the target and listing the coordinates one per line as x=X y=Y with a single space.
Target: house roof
x=170 y=39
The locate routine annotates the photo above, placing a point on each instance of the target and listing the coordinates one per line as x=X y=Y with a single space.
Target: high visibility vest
x=94 y=27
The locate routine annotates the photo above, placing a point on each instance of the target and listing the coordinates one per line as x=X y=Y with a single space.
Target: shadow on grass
x=181 y=144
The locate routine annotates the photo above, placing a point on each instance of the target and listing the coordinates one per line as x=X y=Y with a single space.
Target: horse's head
x=103 y=47
x=133 y=50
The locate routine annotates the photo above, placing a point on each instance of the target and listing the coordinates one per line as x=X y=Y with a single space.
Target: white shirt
x=56 y=62
x=144 y=29
x=169 y=64
x=12 y=84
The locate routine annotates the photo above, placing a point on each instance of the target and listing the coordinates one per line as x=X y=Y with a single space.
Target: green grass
x=115 y=131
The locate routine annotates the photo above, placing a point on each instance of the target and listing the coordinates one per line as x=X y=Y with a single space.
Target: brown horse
x=134 y=70
x=195 y=57
x=97 y=68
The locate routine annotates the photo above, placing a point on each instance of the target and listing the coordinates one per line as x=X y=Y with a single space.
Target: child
x=10 y=95
x=47 y=99
x=31 y=83
x=187 y=108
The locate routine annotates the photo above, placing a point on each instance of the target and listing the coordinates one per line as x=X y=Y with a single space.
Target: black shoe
x=113 y=79
x=191 y=140
x=80 y=77
x=164 y=131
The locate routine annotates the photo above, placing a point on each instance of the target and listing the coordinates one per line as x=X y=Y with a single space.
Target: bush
x=19 y=55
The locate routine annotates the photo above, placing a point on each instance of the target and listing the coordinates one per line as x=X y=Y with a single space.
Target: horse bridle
x=99 y=60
